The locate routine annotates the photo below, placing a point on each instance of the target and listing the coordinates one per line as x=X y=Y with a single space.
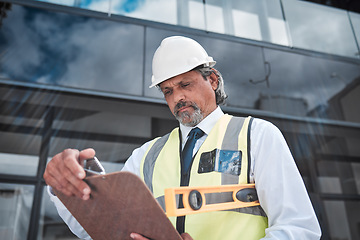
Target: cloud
x=73 y=51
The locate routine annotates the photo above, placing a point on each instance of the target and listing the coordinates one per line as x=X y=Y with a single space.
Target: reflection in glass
x=111 y=154
x=112 y=129
x=320 y=28
x=217 y=19
x=197 y=15
x=340 y=214
x=259 y=20
x=18 y=164
x=51 y=226
x=155 y=10
x=247 y=24
x=312 y=85
x=311 y=26
x=356 y=172
x=95 y=5
x=355 y=21
x=15 y=209
x=337 y=177
x=62 y=2
x=74 y=51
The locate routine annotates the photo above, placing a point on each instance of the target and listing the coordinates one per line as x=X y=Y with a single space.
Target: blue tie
x=187 y=152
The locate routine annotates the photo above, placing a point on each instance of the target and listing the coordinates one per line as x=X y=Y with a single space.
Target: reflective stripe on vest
x=150 y=159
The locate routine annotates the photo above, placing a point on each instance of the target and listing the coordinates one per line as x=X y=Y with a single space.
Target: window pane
x=247 y=24
x=259 y=20
x=196 y=14
x=355 y=20
x=16 y=163
x=73 y=51
x=51 y=226
x=62 y=2
x=15 y=209
x=338 y=177
x=112 y=155
x=277 y=26
x=309 y=86
x=95 y=5
x=20 y=133
x=343 y=219
x=320 y=28
x=215 y=19
x=113 y=128
x=156 y=10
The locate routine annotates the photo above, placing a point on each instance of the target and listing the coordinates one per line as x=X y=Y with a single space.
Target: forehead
x=188 y=76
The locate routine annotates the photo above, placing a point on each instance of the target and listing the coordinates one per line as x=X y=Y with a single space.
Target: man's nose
x=179 y=96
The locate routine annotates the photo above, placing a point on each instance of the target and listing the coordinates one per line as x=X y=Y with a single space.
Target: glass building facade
x=75 y=74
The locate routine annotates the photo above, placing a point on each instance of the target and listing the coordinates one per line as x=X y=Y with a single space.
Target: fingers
x=186 y=236
x=72 y=168
x=137 y=236
x=65 y=172
x=86 y=154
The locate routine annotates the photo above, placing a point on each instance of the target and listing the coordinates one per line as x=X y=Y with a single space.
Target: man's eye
x=185 y=84
x=167 y=93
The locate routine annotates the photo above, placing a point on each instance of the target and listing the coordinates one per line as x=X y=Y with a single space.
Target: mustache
x=182 y=104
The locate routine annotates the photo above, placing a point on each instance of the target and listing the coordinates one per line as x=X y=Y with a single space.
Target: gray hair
x=219 y=91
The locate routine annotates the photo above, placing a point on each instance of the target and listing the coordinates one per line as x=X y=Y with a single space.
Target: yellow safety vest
x=161 y=168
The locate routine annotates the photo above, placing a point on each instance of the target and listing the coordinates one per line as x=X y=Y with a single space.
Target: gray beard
x=195 y=118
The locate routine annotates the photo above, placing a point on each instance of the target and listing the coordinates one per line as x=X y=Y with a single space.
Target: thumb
x=86 y=154
x=186 y=236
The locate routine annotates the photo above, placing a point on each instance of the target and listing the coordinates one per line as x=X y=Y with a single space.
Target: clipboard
x=120 y=203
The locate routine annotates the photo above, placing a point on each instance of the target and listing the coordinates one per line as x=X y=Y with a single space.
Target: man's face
x=189 y=97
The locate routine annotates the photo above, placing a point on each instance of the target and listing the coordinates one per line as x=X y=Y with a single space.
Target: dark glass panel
x=15 y=209
x=355 y=21
x=20 y=132
x=320 y=28
x=310 y=86
x=343 y=219
x=55 y=48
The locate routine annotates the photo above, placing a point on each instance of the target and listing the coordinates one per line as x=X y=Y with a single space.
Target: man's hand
x=136 y=236
x=65 y=172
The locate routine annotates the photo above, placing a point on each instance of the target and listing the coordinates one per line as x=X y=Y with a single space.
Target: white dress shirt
x=280 y=188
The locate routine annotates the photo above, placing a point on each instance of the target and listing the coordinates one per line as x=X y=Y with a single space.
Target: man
x=251 y=151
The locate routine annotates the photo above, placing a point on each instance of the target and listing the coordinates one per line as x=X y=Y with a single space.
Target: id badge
x=224 y=161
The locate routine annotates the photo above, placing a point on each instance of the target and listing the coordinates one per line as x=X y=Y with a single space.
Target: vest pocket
x=224 y=161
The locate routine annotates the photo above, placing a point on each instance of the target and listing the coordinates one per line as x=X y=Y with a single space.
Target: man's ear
x=214 y=80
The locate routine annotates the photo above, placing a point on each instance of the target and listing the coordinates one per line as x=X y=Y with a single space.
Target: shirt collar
x=205 y=125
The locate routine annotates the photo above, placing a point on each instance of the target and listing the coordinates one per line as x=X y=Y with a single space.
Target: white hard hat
x=177 y=55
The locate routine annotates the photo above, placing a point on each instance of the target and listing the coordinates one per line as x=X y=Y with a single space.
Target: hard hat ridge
x=177 y=55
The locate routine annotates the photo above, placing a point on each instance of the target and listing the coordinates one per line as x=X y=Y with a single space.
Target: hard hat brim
x=156 y=82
